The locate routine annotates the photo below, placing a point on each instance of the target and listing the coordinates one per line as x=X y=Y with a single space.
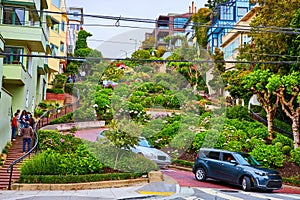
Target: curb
x=81 y=186
x=180 y=167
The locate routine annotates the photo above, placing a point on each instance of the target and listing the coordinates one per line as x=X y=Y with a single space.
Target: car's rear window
x=209 y=154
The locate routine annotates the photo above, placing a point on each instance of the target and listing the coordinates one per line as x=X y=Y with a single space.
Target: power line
x=117 y=19
x=72 y=58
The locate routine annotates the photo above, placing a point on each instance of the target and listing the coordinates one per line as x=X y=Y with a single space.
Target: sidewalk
x=155 y=190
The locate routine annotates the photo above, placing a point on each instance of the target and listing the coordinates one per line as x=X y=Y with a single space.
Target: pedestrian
x=14 y=126
x=27 y=133
x=30 y=119
x=69 y=79
x=23 y=118
x=19 y=122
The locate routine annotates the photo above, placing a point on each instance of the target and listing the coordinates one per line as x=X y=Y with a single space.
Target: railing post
x=10 y=177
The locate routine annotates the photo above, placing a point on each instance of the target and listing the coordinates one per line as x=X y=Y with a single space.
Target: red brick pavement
x=187 y=179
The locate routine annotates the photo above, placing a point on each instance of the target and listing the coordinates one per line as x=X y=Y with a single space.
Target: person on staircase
x=27 y=133
x=14 y=126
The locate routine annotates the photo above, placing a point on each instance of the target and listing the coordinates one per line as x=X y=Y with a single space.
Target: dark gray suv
x=235 y=168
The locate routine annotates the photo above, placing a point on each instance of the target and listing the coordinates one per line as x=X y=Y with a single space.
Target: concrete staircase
x=13 y=153
x=16 y=150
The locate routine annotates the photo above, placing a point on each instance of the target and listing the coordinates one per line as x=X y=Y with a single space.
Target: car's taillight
x=197 y=155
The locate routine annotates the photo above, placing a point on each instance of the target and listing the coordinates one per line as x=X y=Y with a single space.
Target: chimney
x=193 y=7
x=190 y=9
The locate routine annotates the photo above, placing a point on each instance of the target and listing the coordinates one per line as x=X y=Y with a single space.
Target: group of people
x=22 y=125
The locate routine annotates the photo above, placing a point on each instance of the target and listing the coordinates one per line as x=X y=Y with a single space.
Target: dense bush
x=128 y=161
x=295 y=156
x=61 y=154
x=63 y=119
x=286 y=150
x=285 y=141
x=238 y=112
x=268 y=155
x=62 y=179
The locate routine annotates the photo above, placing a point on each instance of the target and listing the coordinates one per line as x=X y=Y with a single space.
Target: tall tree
x=148 y=43
x=257 y=82
x=270 y=36
x=201 y=20
x=287 y=89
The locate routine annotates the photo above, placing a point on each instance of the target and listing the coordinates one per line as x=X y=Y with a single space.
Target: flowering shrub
x=268 y=156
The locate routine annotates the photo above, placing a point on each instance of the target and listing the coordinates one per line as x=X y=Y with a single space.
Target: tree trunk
x=295 y=128
x=270 y=125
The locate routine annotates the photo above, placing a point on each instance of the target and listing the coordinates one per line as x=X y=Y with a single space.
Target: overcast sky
x=117 y=41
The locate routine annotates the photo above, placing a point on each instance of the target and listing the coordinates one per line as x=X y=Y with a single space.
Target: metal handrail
x=37 y=126
x=265 y=122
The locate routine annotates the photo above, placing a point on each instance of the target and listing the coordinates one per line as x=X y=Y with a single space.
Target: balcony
x=15 y=74
x=31 y=36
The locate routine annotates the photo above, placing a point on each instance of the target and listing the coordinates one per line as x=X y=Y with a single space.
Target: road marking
x=259 y=195
x=290 y=196
x=193 y=198
x=218 y=194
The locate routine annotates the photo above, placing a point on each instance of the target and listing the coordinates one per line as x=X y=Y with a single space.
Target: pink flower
x=62 y=140
x=50 y=141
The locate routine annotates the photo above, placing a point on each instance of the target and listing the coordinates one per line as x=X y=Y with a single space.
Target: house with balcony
x=24 y=43
x=5 y=105
x=58 y=37
x=224 y=17
x=173 y=25
x=237 y=37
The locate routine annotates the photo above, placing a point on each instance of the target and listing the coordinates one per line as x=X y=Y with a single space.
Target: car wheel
x=200 y=174
x=246 y=183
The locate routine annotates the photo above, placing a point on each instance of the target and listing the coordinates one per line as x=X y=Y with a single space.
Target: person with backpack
x=27 y=133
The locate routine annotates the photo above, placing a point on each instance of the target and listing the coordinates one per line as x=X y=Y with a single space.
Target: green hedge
x=61 y=179
x=63 y=119
x=183 y=162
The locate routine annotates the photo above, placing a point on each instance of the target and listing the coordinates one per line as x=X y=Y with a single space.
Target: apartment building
x=237 y=37
x=57 y=20
x=224 y=17
x=173 y=25
x=24 y=43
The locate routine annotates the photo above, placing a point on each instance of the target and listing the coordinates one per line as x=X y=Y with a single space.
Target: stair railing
x=48 y=116
x=265 y=122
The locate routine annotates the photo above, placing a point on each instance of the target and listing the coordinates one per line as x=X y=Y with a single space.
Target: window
x=55 y=25
x=213 y=155
x=226 y=13
x=242 y=11
x=180 y=22
x=228 y=157
x=62 y=47
x=231 y=48
x=54 y=49
x=246 y=39
x=63 y=26
x=15 y=16
x=56 y=3
x=13 y=59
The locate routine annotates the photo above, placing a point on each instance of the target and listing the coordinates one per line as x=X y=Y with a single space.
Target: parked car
x=145 y=149
x=236 y=168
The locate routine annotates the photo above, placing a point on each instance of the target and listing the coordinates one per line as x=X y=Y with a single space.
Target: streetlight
x=124 y=52
x=135 y=43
